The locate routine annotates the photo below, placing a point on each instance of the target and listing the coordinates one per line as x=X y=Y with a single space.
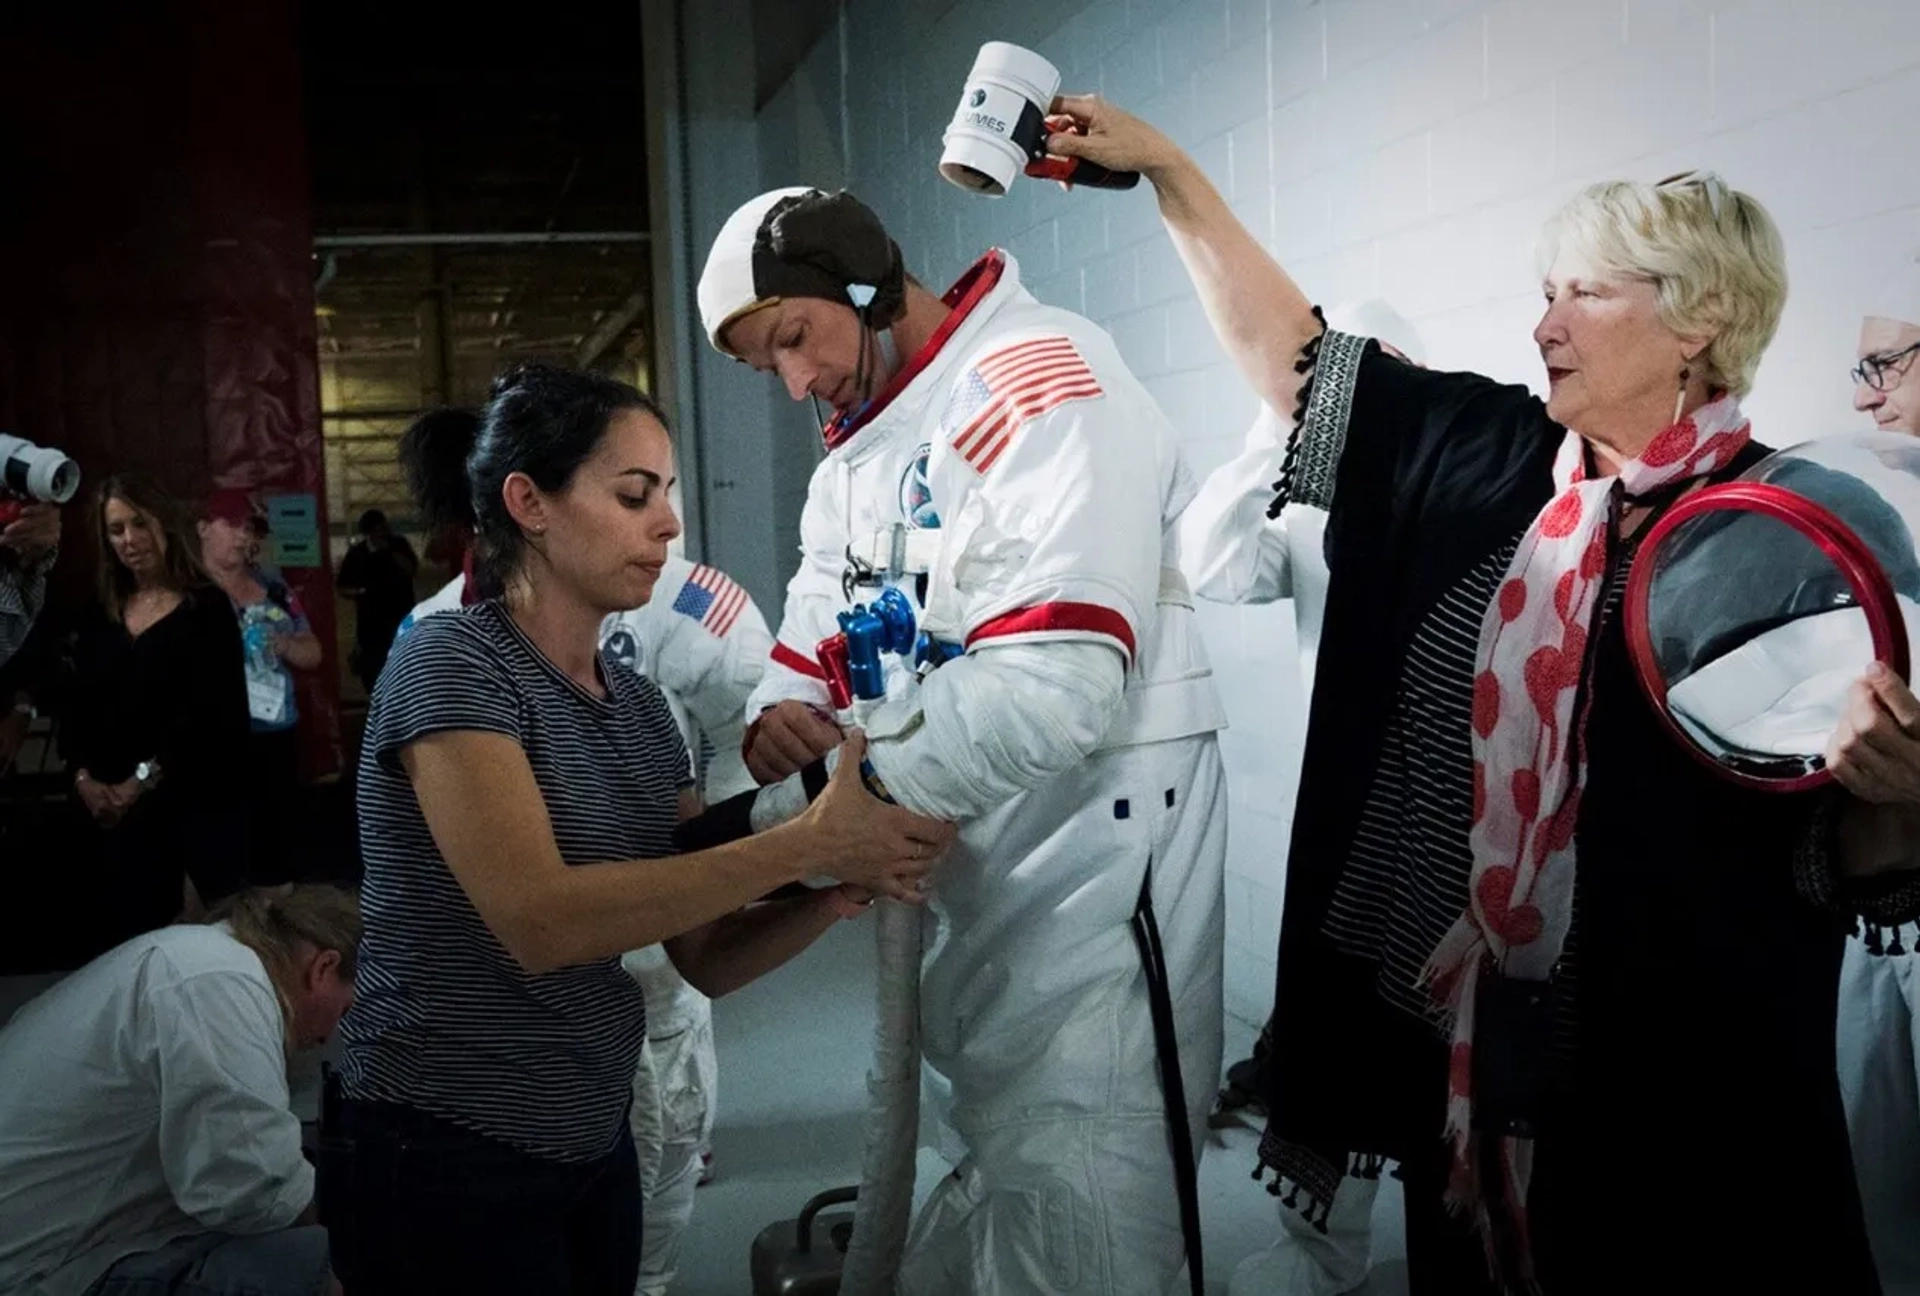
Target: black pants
x=370 y=656
x=1445 y=1257
x=274 y=828
x=173 y=832
x=416 y=1205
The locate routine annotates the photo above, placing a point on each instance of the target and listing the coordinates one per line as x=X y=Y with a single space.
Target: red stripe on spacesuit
x=793 y=661
x=1049 y=618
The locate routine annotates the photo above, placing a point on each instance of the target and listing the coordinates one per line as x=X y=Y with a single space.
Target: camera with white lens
x=999 y=131
x=33 y=473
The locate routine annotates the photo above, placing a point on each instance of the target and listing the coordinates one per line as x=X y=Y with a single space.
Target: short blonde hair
x=274 y=921
x=1713 y=253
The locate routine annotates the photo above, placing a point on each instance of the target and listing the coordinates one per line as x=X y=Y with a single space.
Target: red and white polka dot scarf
x=1528 y=764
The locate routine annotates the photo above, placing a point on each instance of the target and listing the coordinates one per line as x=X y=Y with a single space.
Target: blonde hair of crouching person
x=519 y=797
x=1531 y=949
x=147 y=1144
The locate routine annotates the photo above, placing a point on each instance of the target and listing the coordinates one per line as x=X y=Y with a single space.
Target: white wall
x=1400 y=148
x=704 y=141
x=803 y=140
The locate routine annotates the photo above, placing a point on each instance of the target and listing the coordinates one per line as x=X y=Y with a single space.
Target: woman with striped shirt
x=518 y=801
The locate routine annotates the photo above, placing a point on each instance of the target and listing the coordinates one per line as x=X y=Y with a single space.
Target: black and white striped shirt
x=1405 y=883
x=445 y=1019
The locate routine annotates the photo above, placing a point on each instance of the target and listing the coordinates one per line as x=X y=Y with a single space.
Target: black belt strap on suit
x=732 y=819
x=1146 y=934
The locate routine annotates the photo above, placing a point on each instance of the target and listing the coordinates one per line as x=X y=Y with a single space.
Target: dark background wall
x=156 y=266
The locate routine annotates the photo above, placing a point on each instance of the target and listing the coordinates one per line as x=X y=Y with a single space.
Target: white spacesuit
x=702 y=639
x=1879 y=1020
x=1071 y=734
x=1234 y=553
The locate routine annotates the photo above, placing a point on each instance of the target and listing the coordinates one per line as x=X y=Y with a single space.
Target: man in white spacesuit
x=1233 y=552
x=702 y=639
x=996 y=456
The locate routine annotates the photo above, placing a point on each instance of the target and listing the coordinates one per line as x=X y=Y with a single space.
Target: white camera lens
x=999 y=118
x=34 y=472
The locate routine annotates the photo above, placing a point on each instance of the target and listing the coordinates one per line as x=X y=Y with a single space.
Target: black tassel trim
x=1308 y=359
x=1894 y=946
x=1315 y=1207
x=1312 y=1207
x=1875 y=942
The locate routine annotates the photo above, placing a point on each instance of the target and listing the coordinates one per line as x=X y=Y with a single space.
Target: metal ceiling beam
x=616 y=322
x=333 y=242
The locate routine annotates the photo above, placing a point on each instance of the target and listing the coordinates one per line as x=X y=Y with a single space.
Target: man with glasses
x=1886 y=382
x=1879 y=1047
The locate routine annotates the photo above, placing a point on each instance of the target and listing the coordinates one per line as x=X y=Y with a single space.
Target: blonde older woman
x=1578 y=987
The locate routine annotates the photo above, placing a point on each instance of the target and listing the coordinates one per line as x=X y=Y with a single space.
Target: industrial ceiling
x=443 y=150
x=479 y=199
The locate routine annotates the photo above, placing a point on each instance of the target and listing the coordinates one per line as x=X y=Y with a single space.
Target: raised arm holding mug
x=1532 y=950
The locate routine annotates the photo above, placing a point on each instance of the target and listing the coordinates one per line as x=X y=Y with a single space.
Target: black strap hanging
x=1146 y=934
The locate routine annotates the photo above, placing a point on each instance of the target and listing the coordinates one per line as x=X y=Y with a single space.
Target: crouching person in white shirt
x=147 y=1143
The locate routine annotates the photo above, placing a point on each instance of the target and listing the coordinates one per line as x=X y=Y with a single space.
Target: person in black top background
x=157 y=718
x=377 y=574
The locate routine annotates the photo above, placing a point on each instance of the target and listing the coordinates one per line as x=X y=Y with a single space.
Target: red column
x=156 y=269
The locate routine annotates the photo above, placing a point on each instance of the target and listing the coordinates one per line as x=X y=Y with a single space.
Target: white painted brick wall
x=1410 y=149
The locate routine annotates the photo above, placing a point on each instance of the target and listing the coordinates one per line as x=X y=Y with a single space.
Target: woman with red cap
x=277 y=642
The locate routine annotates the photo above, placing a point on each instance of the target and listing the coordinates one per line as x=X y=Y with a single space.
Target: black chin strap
x=860 y=376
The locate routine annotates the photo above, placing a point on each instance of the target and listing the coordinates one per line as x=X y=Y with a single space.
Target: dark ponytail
x=433 y=454
x=541 y=421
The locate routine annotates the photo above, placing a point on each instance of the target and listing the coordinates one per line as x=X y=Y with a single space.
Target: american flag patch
x=712 y=598
x=1009 y=389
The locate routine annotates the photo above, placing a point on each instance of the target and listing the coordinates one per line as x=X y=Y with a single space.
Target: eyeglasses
x=1710 y=181
x=1884 y=371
